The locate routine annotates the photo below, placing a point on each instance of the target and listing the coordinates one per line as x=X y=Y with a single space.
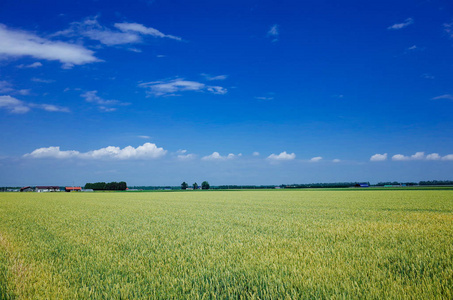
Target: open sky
x=232 y=92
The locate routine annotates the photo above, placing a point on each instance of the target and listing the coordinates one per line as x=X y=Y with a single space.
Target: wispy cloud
x=211 y=78
x=273 y=33
x=103 y=105
x=124 y=33
x=41 y=80
x=256 y=153
x=448 y=27
x=50 y=107
x=17 y=43
x=282 y=156
x=183 y=155
x=146 y=151
x=144 y=137
x=446 y=96
x=30 y=66
x=16 y=106
x=397 y=26
x=13 y=105
x=264 y=98
x=379 y=157
x=7 y=88
x=316 y=159
x=175 y=86
x=139 y=28
x=427 y=76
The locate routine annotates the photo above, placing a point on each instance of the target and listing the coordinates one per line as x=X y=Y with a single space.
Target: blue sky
x=232 y=92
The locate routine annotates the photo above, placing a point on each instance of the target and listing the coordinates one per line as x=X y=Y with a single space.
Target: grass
x=222 y=245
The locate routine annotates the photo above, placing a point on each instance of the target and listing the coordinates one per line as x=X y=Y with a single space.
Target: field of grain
x=236 y=244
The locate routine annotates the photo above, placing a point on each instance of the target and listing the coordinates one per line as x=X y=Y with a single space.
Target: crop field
x=283 y=244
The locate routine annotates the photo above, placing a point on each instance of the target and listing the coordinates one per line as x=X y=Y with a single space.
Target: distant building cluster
x=51 y=188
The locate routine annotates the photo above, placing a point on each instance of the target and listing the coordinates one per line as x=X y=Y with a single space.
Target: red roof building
x=73 y=189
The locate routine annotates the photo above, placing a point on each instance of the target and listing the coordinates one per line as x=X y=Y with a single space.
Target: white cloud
x=433 y=156
x=50 y=107
x=448 y=157
x=135 y=27
x=427 y=76
x=6 y=87
x=13 y=105
x=175 y=86
x=316 y=159
x=183 y=155
x=104 y=105
x=146 y=151
x=210 y=78
x=42 y=80
x=416 y=156
x=273 y=33
x=217 y=156
x=125 y=33
x=336 y=160
x=282 y=156
x=397 y=26
x=189 y=156
x=52 y=152
x=91 y=29
x=264 y=98
x=31 y=66
x=413 y=47
x=16 y=106
x=448 y=27
x=256 y=153
x=16 y=43
x=400 y=157
x=144 y=136
x=379 y=157
x=446 y=96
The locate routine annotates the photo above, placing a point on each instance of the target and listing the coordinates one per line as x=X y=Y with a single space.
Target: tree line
x=110 y=186
x=204 y=185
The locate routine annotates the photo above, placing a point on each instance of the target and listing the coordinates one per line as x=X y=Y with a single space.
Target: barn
x=50 y=188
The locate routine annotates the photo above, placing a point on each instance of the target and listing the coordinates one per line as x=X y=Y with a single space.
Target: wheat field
x=227 y=245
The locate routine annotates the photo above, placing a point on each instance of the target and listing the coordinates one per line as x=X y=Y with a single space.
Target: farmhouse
x=73 y=189
x=42 y=189
x=26 y=189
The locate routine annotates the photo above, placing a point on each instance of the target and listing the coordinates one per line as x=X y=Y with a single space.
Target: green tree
x=205 y=185
x=195 y=186
x=122 y=186
x=184 y=185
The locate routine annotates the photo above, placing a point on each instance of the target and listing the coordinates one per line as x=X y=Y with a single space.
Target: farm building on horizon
x=73 y=189
x=26 y=189
x=364 y=184
x=47 y=188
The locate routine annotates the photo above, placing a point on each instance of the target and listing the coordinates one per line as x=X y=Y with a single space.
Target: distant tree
x=205 y=185
x=184 y=185
x=112 y=186
x=122 y=186
x=195 y=186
